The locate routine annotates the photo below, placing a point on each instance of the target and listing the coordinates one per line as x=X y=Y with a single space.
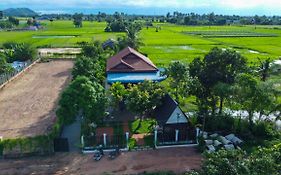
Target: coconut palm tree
x=264 y=69
x=131 y=39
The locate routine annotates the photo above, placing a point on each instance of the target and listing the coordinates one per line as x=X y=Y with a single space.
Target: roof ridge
x=115 y=60
x=143 y=57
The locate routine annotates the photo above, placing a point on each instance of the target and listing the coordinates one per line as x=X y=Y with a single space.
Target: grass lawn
x=142 y=126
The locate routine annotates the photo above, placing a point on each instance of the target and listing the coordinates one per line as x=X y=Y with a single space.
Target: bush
x=132 y=143
x=6 y=25
x=143 y=126
x=219 y=123
x=264 y=129
x=19 y=52
x=9 y=45
x=4 y=66
x=24 y=52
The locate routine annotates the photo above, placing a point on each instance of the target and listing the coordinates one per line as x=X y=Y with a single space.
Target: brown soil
x=139 y=138
x=178 y=160
x=27 y=104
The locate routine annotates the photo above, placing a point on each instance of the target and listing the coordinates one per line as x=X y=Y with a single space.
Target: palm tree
x=264 y=69
x=131 y=39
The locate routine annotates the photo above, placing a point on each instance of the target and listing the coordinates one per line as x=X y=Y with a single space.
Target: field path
x=27 y=104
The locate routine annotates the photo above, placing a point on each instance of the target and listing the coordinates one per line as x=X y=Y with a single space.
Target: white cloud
x=251 y=3
x=168 y=4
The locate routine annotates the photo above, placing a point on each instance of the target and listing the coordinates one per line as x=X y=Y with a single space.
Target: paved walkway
x=72 y=133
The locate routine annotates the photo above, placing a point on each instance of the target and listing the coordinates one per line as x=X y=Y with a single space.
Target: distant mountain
x=20 y=12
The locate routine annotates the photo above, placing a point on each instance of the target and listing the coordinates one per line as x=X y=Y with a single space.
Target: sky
x=151 y=7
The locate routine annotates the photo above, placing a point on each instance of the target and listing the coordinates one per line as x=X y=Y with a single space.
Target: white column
x=155 y=138
x=82 y=141
x=197 y=134
x=127 y=139
x=177 y=135
x=104 y=139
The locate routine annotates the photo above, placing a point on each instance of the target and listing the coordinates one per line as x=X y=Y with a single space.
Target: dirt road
x=169 y=159
x=27 y=104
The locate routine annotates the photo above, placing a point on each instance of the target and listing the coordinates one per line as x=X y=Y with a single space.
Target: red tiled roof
x=129 y=60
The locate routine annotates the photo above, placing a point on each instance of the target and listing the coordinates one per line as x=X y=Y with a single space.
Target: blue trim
x=135 y=77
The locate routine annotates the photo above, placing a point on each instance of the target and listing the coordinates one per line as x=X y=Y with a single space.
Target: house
x=172 y=122
x=130 y=66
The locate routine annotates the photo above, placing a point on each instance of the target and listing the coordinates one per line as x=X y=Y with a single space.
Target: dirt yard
x=27 y=104
x=178 y=160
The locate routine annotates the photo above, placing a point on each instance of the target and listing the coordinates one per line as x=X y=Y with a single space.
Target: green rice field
x=172 y=42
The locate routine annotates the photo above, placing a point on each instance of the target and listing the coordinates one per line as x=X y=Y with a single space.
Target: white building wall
x=177 y=117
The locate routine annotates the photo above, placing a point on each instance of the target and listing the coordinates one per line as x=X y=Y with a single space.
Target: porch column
x=127 y=139
x=177 y=135
x=104 y=139
x=155 y=138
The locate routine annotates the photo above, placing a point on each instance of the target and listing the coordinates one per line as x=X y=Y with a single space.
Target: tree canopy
x=179 y=78
x=144 y=97
x=218 y=66
x=82 y=95
x=131 y=39
x=78 y=19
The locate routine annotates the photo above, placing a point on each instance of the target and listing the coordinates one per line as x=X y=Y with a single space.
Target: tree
x=78 y=19
x=89 y=67
x=144 y=97
x=19 y=52
x=223 y=90
x=264 y=69
x=5 y=25
x=13 y=20
x=82 y=95
x=117 y=93
x=178 y=74
x=92 y=50
x=132 y=40
x=30 y=22
x=265 y=161
x=217 y=66
x=211 y=18
x=252 y=96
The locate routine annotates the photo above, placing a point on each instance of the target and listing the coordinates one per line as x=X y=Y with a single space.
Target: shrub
x=264 y=129
x=19 y=52
x=24 y=52
x=9 y=45
x=132 y=143
x=220 y=123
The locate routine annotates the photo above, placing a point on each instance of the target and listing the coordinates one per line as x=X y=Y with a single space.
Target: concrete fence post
x=177 y=135
x=82 y=141
x=127 y=139
x=197 y=134
x=155 y=138
x=104 y=139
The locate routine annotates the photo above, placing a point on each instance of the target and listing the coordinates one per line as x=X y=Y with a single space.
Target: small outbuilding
x=172 y=122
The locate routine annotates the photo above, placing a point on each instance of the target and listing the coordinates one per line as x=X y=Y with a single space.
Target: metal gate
x=61 y=145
